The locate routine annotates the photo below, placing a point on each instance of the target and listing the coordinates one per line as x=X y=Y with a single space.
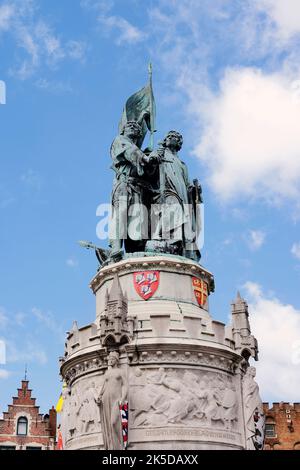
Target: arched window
x=22 y=426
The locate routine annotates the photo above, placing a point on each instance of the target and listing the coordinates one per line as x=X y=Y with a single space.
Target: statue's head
x=173 y=140
x=113 y=358
x=132 y=129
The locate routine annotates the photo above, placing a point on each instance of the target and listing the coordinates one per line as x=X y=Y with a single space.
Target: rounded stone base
x=181 y=371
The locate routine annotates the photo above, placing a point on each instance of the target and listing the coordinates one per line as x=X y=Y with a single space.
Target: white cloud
x=253 y=289
x=21 y=345
x=245 y=121
x=29 y=351
x=49 y=321
x=277 y=329
x=251 y=138
x=18 y=345
x=4 y=374
x=10 y=322
x=49 y=42
x=123 y=31
x=284 y=13
x=256 y=239
x=46 y=318
x=6 y=14
x=127 y=33
x=41 y=45
x=72 y=262
x=76 y=49
x=2 y=351
x=103 y=6
x=296 y=250
x=53 y=86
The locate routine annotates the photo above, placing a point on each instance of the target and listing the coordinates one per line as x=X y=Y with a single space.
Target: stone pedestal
x=183 y=370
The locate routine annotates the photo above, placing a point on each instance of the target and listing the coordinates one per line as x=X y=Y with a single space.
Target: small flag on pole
x=60 y=403
x=124 y=420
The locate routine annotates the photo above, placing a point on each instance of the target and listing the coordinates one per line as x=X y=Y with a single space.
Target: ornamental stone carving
x=165 y=397
x=113 y=392
x=88 y=412
x=253 y=411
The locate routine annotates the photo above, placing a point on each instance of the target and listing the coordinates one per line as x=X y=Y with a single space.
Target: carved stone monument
x=155 y=371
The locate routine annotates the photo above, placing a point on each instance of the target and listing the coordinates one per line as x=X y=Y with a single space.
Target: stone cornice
x=161 y=354
x=161 y=263
x=84 y=364
x=183 y=354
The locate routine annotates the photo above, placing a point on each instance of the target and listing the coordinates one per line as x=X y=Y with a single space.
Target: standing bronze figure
x=155 y=208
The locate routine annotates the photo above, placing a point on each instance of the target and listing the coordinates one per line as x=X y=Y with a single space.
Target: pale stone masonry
x=185 y=373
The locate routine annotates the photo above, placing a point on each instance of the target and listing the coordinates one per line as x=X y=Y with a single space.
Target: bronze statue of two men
x=155 y=208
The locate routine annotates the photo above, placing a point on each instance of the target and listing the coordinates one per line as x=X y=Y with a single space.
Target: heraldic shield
x=146 y=283
x=200 y=291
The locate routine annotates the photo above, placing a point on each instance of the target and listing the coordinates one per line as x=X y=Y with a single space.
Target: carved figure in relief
x=66 y=396
x=253 y=409
x=167 y=397
x=89 y=411
x=139 y=400
x=184 y=404
x=230 y=405
x=149 y=400
x=74 y=408
x=114 y=391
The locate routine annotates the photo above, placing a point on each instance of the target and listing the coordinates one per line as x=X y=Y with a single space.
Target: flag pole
x=152 y=123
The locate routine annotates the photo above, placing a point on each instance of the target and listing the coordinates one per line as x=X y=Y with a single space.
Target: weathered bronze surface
x=154 y=207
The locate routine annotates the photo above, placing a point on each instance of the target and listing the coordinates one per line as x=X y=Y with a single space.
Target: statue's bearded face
x=173 y=141
x=132 y=129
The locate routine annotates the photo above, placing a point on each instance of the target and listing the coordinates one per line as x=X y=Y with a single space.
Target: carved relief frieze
x=169 y=396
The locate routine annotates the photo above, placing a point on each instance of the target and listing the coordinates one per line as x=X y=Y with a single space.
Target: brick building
x=23 y=427
x=282 y=426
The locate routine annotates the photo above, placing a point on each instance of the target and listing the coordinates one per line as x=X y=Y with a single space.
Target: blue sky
x=227 y=75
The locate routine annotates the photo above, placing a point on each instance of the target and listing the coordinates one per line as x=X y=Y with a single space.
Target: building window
x=22 y=426
x=270 y=430
x=7 y=447
x=33 y=448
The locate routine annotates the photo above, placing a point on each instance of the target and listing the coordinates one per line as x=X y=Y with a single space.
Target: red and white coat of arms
x=200 y=291
x=146 y=283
